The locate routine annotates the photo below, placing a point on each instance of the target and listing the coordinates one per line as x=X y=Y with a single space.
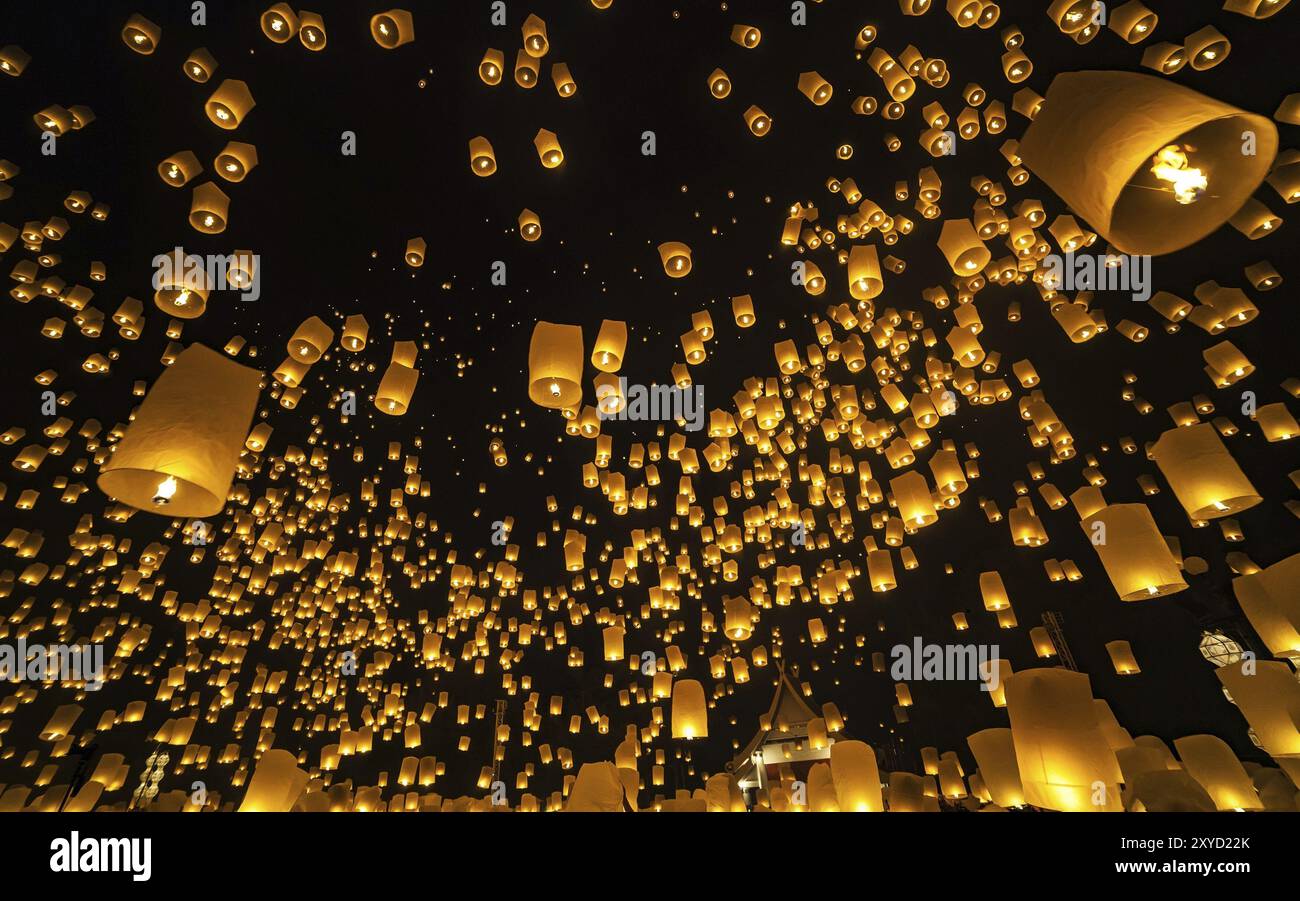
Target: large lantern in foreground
x=1207 y=480
x=179 y=455
x=1064 y=759
x=1151 y=165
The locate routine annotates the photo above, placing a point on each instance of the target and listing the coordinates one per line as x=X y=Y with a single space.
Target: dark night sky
x=331 y=229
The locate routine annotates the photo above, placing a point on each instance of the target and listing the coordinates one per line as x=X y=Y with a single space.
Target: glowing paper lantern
x=141 y=35
x=229 y=104
x=995 y=754
x=690 y=710
x=1207 y=480
x=676 y=259
x=856 y=777
x=1064 y=760
x=555 y=365
x=1133 y=552
x=179 y=455
x=1209 y=760
x=276 y=785
x=1103 y=142
x=392 y=29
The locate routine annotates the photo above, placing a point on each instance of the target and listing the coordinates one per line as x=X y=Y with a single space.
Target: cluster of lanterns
x=840 y=438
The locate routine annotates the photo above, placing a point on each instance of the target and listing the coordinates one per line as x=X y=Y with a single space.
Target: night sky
x=331 y=229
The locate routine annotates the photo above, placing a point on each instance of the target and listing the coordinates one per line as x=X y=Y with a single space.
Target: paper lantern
x=526 y=70
x=276 y=785
x=759 y=122
x=415 y=250
x=690 y=710
x=1267 y=698
x=548 y=148
x=311 y=339
x=179 y=168
x=13 y=60
x=1133 y=552
x=534 y=35
x=739 y=618
x=915 y=505
x=962 y=247
x=235 y=161
x=555 y=365
x=355 y=332
x=1121 y=657
x=178 y=456
x=311 y=30
x=279 y=23
x=491 y=66
x=200 y=65
x=530 y=225
x=482 y=159
x=141 y=35
x=995 y=754
x=719 y=84
x=993 y=592
x=1133 y=21
x=815 y=88
x=396 y=388
x=742 y=310
x=392 y=29
x=1270 y=598
x=1210 y=761
x=1064 y=760
x=611 y=344
x=209 y=208
x=746 y=36
x=612 y=636
x=1256 y=9
x=865 y=282
x=1202 y=473
x=229 y=104
x=676 y=259
x=1114 y=146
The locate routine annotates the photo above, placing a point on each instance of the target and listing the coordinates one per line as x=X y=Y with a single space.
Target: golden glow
x=1171 y=165
x=165 y=491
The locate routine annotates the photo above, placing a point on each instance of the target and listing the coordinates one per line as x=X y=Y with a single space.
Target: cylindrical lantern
x=229 y=104
x=555 y=365
x=690 y=710
x=1207 y=480
x=179 y=455
x=392 y=28
x=1127 y=153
